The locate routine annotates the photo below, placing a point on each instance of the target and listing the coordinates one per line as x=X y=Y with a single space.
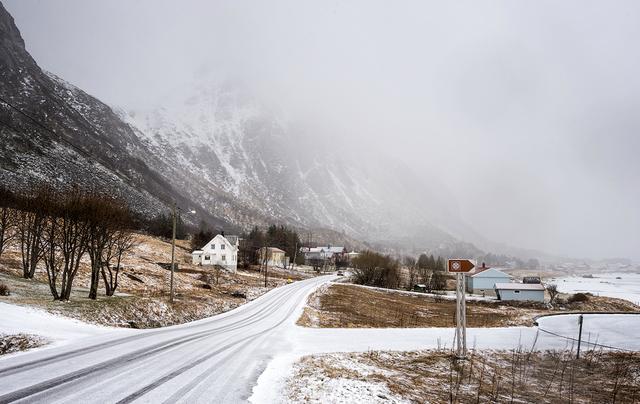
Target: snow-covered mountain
x=54 y=133
x=214 y=148
x=242 y=160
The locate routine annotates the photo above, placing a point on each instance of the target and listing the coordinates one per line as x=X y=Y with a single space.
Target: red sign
x=460 y=266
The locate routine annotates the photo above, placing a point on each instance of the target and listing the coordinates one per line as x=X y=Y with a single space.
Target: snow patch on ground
x=55 y=329
x=623 y=285
x=618 y=330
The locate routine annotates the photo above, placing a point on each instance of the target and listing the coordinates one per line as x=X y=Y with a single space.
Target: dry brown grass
x=352 y=306
x=487 y=376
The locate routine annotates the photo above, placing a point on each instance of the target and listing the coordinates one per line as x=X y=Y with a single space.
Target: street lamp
x=173 y=248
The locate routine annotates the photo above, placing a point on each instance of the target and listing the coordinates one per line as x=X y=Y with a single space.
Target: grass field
x=345 y=305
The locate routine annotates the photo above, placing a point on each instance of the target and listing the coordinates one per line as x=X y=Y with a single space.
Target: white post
x=458 y=339
x=464 y=316
x=461 y=321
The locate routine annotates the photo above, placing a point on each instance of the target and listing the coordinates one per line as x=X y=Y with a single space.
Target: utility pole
x=579 y=335
x=266 y=264
x=295 y=254
x=173 y=250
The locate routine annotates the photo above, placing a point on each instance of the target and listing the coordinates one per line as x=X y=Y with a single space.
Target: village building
x=482 y=280
x=275 y=257
x=520 y=291
x=352 y=255
x=329 y=254
x=220 y=250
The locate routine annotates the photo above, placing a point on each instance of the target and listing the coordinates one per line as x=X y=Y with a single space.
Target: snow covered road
x=245 y=354
x=212 y=360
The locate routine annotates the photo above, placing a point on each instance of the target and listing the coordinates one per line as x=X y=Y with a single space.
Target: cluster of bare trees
x=427 y=271
x=57 y=229
x=374 y=269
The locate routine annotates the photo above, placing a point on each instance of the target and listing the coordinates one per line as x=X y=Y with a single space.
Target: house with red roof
x=483 y=279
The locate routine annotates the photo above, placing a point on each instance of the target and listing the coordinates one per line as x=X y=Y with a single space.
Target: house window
x=206 y=258
x=213 y=246
x=224 y=257
x=222 y=246
x=516 y=291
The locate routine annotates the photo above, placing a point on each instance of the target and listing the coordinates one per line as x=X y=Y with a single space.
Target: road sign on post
x=460 y=267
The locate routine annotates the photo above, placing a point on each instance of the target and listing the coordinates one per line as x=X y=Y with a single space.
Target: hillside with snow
x=213 y=148
x=244 y=161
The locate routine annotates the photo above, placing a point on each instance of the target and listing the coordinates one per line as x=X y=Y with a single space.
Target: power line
x=586 y=342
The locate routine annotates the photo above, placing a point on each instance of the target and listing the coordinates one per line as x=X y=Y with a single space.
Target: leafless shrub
x=373 y=269
x=578 y=298
x=552 y=289
x=4 y=290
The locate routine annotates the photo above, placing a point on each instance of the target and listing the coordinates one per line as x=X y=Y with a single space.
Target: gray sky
x=528 y=111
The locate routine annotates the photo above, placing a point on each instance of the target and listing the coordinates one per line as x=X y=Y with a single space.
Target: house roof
x=333 y=250
x=232 y=239
x=518 y=286
x=274 y=249
x=486 y=271
x=228 y=239
x=198 y=252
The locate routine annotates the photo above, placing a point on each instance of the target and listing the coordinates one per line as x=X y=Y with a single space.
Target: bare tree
x=373 y=269
x=552 y=289
x=52 y=256
x=121 y=242
x=411 y=264
x=31 y=220
x=64 y=242
x=104 y=219
x=7 y=230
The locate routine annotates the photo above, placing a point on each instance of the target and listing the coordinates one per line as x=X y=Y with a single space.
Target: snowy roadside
x=52 y=329
x=618 y=330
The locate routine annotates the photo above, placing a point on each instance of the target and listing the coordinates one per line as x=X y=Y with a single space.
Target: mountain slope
x=215 y=149
x=219 y=139
x=54 y=133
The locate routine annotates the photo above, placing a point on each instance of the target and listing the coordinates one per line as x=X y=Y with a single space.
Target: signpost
x=460 y=267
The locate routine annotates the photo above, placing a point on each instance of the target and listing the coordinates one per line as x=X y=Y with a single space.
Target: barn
x=520 y=291
x=483 y=280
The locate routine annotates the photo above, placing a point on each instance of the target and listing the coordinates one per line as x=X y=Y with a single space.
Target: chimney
x=483 y=266
x=222 y=234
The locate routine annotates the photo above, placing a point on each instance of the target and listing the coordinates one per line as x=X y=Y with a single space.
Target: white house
x=483 y=280
x=221 y=250
x=520 y=291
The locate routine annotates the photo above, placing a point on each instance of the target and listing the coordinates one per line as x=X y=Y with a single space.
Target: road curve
x=217 y=359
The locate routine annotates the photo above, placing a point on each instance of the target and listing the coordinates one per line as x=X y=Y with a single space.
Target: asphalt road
x=217 y=359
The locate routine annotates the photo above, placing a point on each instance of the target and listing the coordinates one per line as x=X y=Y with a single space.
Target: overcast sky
x=528 y=111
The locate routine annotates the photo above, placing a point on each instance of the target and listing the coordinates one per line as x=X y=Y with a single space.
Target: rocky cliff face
x=54 y=133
